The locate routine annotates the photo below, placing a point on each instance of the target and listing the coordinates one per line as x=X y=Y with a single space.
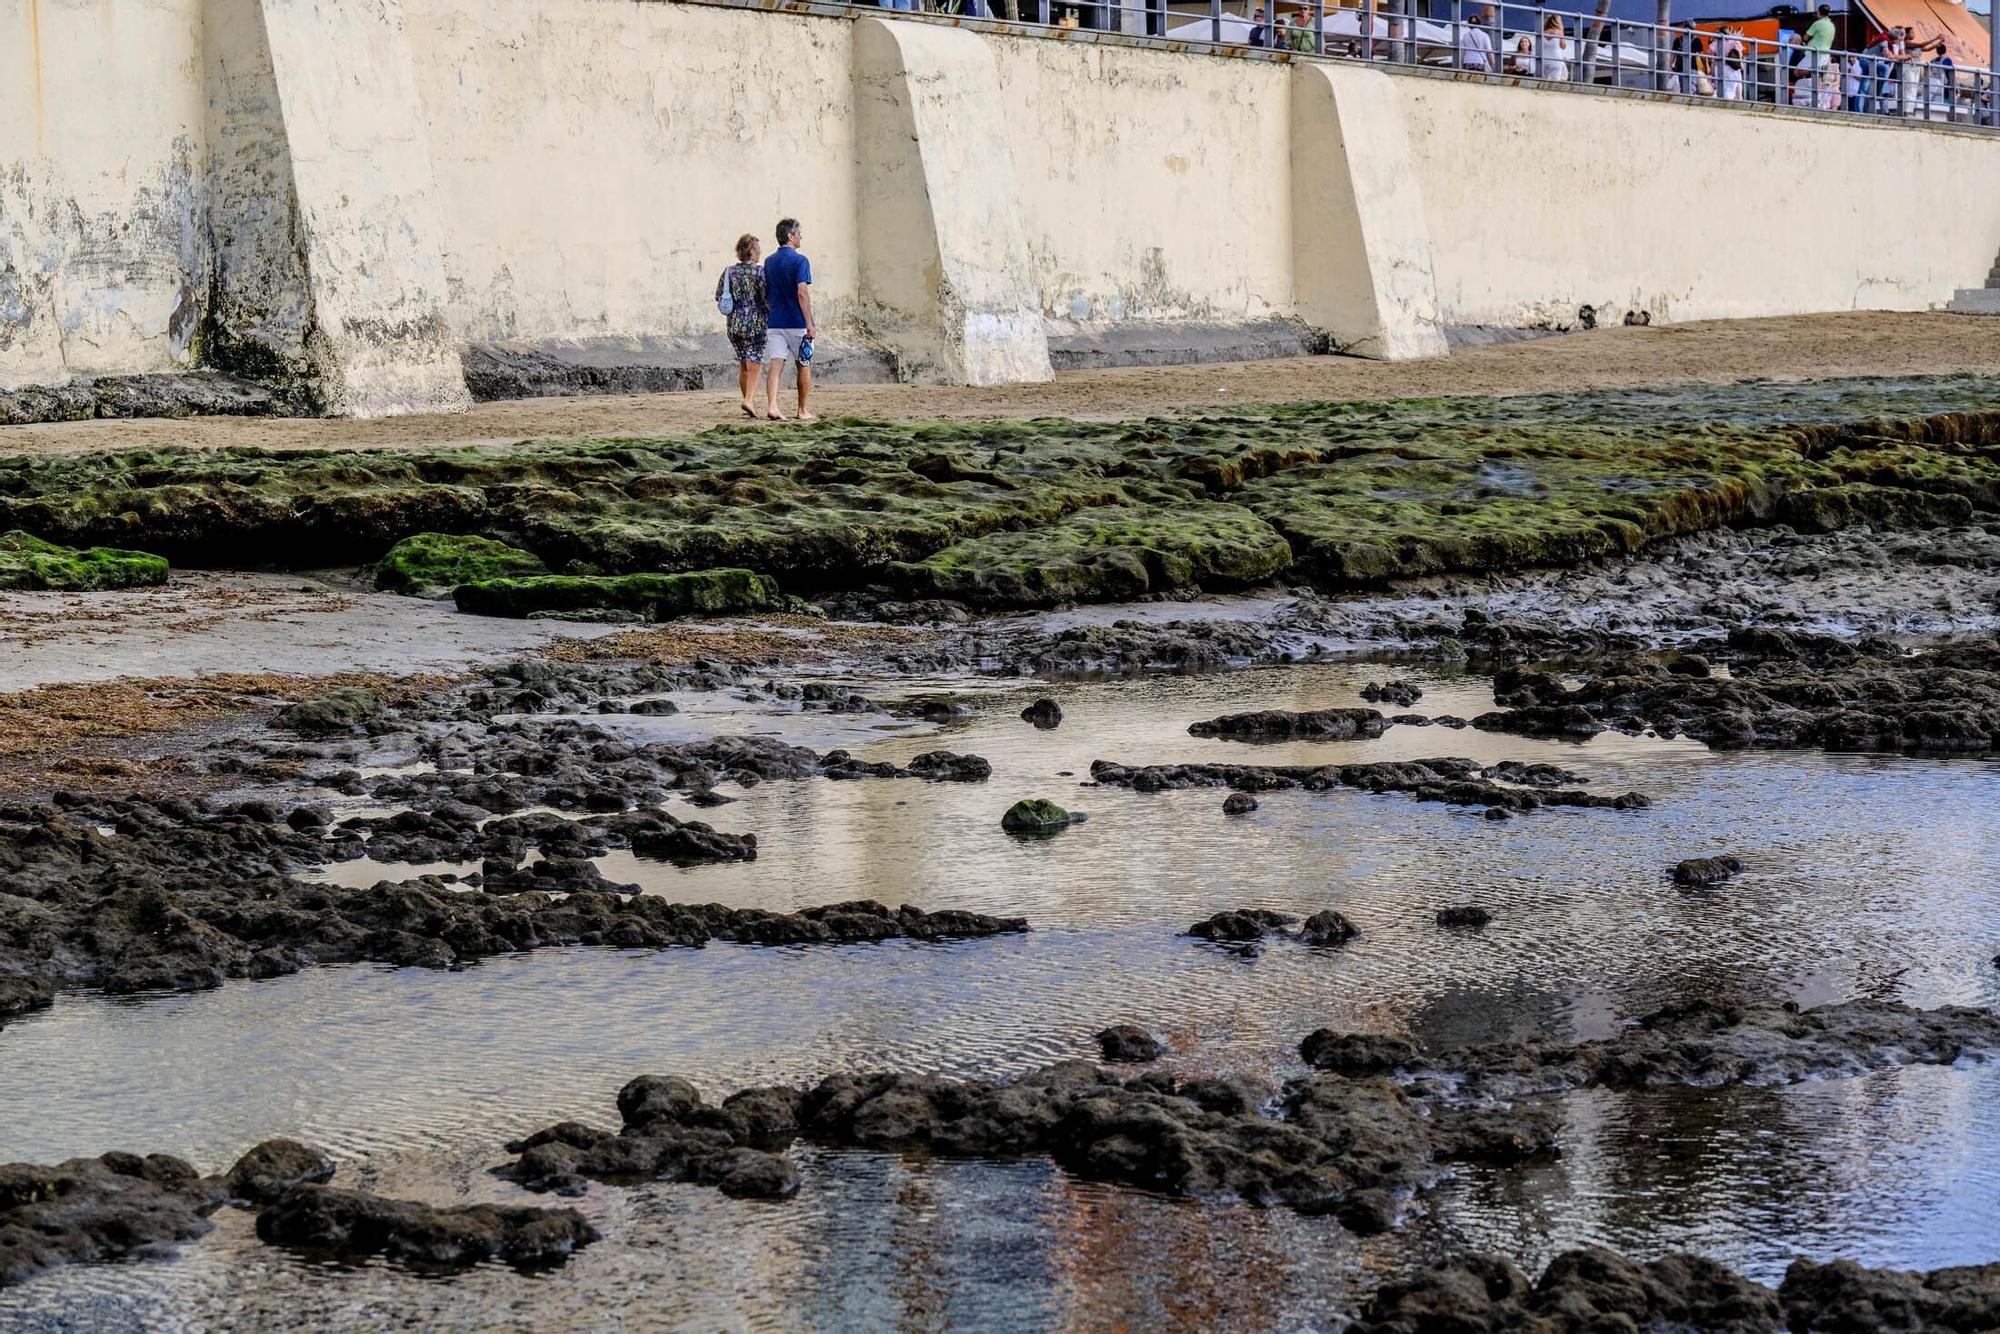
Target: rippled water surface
x=1867 y=875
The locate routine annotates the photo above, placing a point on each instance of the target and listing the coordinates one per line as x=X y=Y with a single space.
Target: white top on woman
x=1552 y=57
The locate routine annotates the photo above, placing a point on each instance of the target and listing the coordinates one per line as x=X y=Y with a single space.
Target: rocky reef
x=1017 y=514
x=1783 y=689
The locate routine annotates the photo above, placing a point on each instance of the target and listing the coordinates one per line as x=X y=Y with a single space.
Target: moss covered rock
x=1035 y=815
x=28 y=562
x=655 y=597
x=1025 y=513
x=1104 y=555
x=433 y=564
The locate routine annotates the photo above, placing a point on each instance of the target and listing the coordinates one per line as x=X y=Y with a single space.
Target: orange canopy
x=1964 y=32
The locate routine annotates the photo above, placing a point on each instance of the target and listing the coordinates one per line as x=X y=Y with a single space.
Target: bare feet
x=748 y=410
x=806 y=417
x=774 y=415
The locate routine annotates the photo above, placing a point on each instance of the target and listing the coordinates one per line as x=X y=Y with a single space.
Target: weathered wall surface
x=102 y=255
x=1542 y=200
x=1153 y=186
x=370 y=224
x=359 y=192
x=945 y=274
x=597 y=159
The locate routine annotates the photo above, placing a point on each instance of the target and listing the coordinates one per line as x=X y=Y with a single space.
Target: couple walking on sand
x=769 y=308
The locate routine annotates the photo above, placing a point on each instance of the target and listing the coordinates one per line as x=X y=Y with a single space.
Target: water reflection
x=1867 y=874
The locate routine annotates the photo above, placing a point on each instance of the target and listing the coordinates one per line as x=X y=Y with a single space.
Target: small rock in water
x=1356 y=1053
x=1240 y=924
x=1400 y=693
x=1044 y=713
x=1702 y=871
x=654 y=708
x=1465 y=915
x=1129 y=1042
x=1327 y=928
x=1497 y=813
x=274 y=1167
x=322 y=1218
x=1035 y=815
x=1689 y=664
x=1238 y=803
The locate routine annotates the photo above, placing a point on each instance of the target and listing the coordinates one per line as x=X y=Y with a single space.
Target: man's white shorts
x=783 y=344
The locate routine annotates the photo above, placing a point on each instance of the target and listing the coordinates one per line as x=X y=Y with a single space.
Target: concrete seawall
x=383 y=202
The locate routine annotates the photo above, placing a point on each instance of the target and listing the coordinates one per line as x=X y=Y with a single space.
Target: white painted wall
x=597 y=159
x=380 y=182
x=1153 y=186
x=1541 y=200
x=945 y=275
x=102 y=257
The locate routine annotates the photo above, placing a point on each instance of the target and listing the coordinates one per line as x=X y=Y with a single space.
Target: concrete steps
x=1979 y=300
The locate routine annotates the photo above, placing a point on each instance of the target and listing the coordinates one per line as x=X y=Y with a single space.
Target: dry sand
x=1714 y=352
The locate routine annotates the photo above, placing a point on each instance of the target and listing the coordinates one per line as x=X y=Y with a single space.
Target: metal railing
x=1910 y=81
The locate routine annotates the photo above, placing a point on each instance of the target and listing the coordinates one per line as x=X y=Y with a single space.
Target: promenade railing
x=1518 y=42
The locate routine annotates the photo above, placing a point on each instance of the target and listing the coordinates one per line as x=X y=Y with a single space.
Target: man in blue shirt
x=788 y=279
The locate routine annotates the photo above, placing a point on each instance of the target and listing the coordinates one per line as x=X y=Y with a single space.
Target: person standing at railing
x=1852 y=82
x=1819 y=39
x=1299 y=32
x=1875 y=65
x=1729 y=63
x=1260 y=28
x=1475 y=47
x=1552 y=52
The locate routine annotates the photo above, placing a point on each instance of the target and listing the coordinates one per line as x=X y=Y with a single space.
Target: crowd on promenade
x=1898 y=73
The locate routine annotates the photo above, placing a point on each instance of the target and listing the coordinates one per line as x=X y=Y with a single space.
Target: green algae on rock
x=27 y=562
x=1033 y=513
x=433 y=564
x=1035 y=815
x=1098 y=555
x=656 y=597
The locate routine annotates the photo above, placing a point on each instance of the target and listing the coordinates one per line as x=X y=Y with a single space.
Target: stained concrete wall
x=946 y=277
x=1541 y=200
x=102 y=254
x=362 y=191
x=597 y=159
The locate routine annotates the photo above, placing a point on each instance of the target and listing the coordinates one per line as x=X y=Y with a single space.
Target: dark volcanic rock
x=1400 y=693
x=274 y=1167
x=1043 y=713
x=1238 y=803
x=1246 y=925
x=1844 y=1298
x=1465 y=915
x=1697 y=871
x=343 y=710
x=1357 y=1053
x=942 y=766
x=90 y=1210
x=1456 y=781
x=1130 y=1043
x=1283 y=725
x=1347 y=1146
x=1240 y=924
x=1784 y=689
x=1582 y=1292
x=1327 y=928
x=181 y=896
x=18 y=995
x=1708 y=1043
x=347 y=1222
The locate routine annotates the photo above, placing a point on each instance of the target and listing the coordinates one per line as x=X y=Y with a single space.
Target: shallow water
x=1866 y=875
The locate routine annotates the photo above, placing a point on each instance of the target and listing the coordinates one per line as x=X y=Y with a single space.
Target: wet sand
x=1709 y=352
